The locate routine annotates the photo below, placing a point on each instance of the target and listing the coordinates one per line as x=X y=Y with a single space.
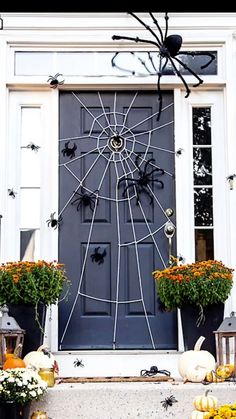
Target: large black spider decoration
x=54 y=81
x=168 y=48
x=86 y=199
x=53 y=222
x=153 y=371
x=69 y=151
x=78 y=363
x=144 y=180
x=168 y=401
x=98 y=257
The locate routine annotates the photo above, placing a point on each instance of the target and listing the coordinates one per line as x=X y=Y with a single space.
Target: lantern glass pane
x=10 y=344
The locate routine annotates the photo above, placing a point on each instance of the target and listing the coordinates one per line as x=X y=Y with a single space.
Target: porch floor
x=140 y=400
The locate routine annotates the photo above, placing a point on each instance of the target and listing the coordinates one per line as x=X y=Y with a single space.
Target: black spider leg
x=156 y=169
x=144 y=63
x=194 y=53
x=166 y=19
x=78 y=205
x=200 y=81
x=137 y=39
x=147 y=27
x=159 y=92
x=142 y=188
x=188 y=91
x=145 y=190
x=151 y=60
x=121 y=68
x=157 y=25
x=132 y=182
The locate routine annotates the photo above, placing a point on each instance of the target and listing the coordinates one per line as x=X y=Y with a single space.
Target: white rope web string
x=123 y=165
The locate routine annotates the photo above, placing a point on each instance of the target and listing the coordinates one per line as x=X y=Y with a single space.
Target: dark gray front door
x=112 y=203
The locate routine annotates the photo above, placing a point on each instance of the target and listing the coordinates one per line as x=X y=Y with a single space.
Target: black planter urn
x=13 y=410
x=213 y=317
x=25 y=314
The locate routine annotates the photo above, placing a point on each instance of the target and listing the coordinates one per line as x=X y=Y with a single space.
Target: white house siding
x=93 y=32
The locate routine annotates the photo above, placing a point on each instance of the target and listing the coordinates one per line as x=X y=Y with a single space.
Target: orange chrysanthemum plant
x=199 y=283
x=32 y=283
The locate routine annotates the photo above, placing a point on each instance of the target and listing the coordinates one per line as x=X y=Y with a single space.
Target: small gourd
x=206 y=402
x=196 y=414
x=42 y=358
x=225 y=371
x=193 y=365
x=13 y=360
x=211 y=377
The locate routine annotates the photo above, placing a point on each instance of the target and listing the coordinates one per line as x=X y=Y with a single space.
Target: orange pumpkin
x=13 y=360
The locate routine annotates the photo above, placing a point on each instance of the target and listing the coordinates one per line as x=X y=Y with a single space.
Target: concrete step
x=128 y=400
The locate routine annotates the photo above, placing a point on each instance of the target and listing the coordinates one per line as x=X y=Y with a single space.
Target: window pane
x=196 y=62
x=202 y=167
x=33 y=63
x=201 y=126
x=30 y=168
x=102 y=63
x=30 y=208
x=203 y=206
x=204 y=248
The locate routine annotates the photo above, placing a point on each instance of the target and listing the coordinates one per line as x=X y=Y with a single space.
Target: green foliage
x=32 y=282
x=199 y=283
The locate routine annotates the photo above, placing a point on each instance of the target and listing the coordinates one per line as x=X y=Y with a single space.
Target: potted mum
x=225 y=411
x=200 y=290
x=18 y=387
x=28 y=288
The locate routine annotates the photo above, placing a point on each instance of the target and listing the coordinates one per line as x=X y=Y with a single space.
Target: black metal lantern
x=225 y=337
x=11 y=335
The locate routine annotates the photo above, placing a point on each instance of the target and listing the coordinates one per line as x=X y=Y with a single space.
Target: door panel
x=113 y=238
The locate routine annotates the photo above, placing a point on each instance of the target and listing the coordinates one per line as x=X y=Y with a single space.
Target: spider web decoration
x=168 y=49
x=118 y=145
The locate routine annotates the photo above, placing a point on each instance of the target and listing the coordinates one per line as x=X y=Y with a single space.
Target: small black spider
x=168 y=401
x=53 y=222
x=86 y=199
x=54 y=82
x=144 y=179
x=98 y=257
x=78 y=363
x=69 y=152
x=32 y=146
x=12 y=193
x=179 y=152
x=168 y=49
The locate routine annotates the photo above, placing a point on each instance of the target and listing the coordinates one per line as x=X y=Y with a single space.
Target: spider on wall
x=56 y=80
x=54 y=222
x=168 y=47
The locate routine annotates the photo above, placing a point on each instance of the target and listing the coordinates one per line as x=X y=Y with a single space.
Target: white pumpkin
x=196 y=414
x=205 y=402
x=193 y=365
x=42 y=358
